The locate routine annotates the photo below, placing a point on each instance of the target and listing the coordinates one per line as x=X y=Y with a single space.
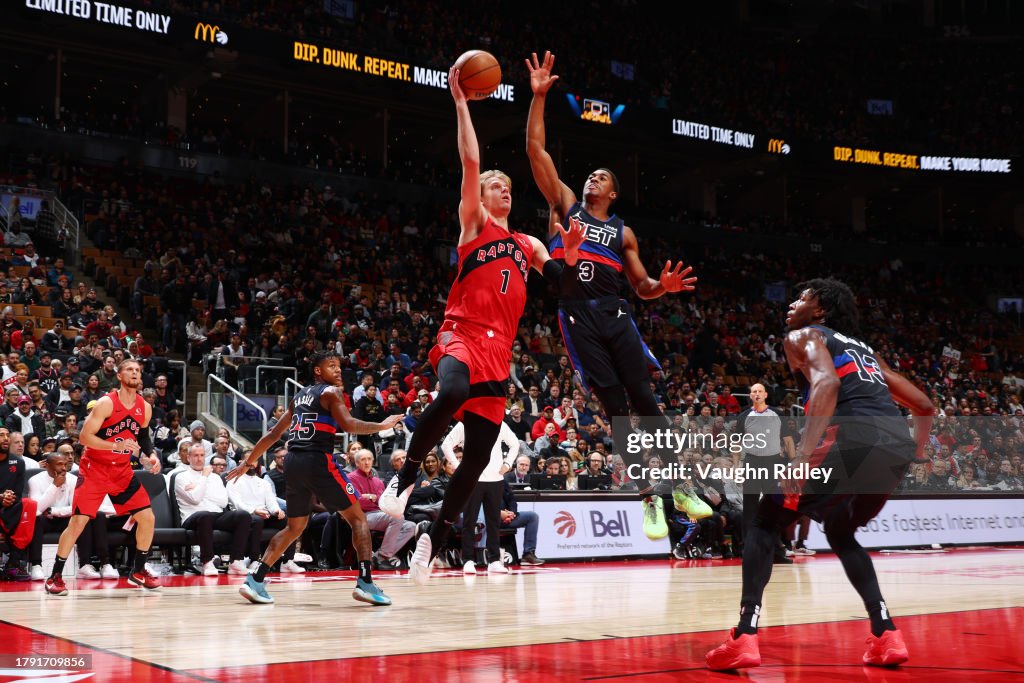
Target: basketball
x=480 y=74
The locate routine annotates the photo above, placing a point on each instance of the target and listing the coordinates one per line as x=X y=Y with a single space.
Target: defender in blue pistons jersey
x=601 y=339
x=854 y=427
x=317 y=413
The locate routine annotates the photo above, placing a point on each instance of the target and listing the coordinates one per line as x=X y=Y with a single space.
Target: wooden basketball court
x=961 y=612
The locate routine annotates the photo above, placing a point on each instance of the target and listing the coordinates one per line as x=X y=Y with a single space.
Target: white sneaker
x=36 y=573
x=210 y=569
x=497 y=567
x=238 y=568
x=390 y=502
x=420 y=567
x=291 y=566
x=790 y=552
x=303 y=557
x=108 y=572
x=469 y=568
x=87 y=571
x=805 y=551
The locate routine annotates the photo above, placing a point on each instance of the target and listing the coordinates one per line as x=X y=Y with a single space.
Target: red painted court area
x=983 y=645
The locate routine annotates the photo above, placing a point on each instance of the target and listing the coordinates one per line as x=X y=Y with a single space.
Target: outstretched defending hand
x=572 y=239
x=541 y=79
x=455 y=86
x=675 y=279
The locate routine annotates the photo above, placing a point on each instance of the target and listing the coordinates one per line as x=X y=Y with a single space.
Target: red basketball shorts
x=97 y=481
x=488 y=359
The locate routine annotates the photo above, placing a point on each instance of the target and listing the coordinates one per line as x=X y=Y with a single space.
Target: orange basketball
x=480 y=74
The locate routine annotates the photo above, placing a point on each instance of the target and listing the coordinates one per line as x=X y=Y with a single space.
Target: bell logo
x=565 y=524
x=210 y=33
x=776 y=146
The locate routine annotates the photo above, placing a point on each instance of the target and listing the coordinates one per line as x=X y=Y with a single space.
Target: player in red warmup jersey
x=116 y=430
x=474 y=345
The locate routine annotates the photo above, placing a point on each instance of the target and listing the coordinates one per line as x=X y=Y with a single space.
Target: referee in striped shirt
x=760 y=420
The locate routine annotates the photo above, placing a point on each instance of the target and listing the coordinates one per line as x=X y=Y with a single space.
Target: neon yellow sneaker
x=655 y=526
x=686 y=500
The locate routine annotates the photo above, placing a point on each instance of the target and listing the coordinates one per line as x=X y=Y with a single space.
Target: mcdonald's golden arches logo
x=210 y=33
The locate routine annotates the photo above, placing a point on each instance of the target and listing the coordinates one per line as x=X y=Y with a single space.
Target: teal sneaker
x=255 y=591
x=370 y=593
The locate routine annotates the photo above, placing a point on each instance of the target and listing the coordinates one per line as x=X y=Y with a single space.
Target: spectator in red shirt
x=728 y=401
x=545 y=418
x=26 y=333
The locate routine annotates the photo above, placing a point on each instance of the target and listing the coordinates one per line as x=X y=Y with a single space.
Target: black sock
x=407 y=475
x=364 y=571
x=58 y=566
x=749 y=614
x=141 y=557
x=439 y=533
x=880 y=621
x=262 y=568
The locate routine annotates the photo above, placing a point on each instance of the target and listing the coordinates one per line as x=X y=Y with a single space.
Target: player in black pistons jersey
x=853 y=426
x=601 y=338
x=317 y=413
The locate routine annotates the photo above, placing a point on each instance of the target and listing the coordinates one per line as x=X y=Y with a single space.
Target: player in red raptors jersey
x=474 y=345
x=116 y=430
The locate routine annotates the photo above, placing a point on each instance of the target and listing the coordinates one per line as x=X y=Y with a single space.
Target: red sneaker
x=145 y=580
x=55 y=586
x=886 y=650
x=735 y=653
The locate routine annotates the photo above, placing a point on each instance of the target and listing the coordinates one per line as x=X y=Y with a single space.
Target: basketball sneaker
x=420 y=566
x=497 y=567
x=735 y=653
x=469 y=567
x=886 y=650
x=55 y=585
x=107 y=571
x=292 y=567
x=255 y=591
x=238 y=568
x=370 y=593
x=804 y=550
x=145 y=579
x=686 y=500
x=87 y=571
x=36 y=573
x=391 y=502
x=655 y=526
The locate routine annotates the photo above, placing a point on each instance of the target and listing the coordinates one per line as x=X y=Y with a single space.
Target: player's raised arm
x=558 y=195
x=471 y=211
x=807 y=354
x=332 y=400
x=672 y=278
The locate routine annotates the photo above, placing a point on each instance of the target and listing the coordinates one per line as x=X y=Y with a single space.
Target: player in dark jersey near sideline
x=852 y=425
x=116 y=431
x=474 y=344
x=601 y=339
x=316 y=414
